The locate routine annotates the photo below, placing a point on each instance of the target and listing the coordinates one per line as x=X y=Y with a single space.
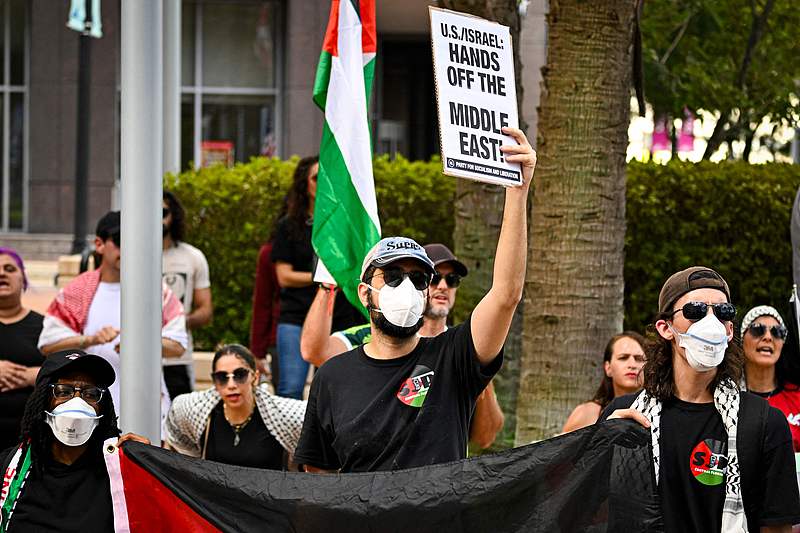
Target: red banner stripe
x=330 y=44
x=153 y=507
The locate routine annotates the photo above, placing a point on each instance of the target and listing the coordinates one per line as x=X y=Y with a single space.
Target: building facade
x=247 y=73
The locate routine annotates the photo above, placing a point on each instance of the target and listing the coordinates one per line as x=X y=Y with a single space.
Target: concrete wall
x=302 y=123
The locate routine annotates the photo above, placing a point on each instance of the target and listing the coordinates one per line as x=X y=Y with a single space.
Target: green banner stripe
x=343 y=231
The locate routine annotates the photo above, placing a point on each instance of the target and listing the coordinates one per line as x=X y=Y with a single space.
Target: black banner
x=596 y=479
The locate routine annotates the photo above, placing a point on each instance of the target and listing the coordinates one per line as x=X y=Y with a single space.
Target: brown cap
x=696 y=277
x=439 y=253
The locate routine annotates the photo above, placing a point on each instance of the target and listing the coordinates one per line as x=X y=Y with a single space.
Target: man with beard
x=185 y=271
x=317 y=346
x=401 y=400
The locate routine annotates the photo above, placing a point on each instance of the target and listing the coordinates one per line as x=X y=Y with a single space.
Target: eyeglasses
x=239 y=376
x=697 y=310
x=62 y=391
x=395 y=276
x=452 y=279
x=164 y=212
x=759 y=330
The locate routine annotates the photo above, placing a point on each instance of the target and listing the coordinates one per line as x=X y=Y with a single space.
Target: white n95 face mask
x=402 y=305
x=704 y=343
x=73 y=422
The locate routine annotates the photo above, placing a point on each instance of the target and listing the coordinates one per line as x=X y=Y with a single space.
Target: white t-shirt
x=184 y=269
x=105 y=311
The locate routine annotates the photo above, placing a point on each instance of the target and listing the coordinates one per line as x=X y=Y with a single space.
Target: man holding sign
x=403 y=401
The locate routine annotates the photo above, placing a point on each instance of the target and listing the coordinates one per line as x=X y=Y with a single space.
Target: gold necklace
x=237 y=428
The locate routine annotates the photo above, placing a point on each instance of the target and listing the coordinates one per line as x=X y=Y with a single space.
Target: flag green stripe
x=338 y=206
x=323 y=78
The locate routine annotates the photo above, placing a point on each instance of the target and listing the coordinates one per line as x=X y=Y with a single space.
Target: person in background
x=56 y=478
x=266 y=308
x=185 y=272
x=20 y=359
x=238 y=421
x=293 y=257
x=318 y=344
x=86 y=313
x=766 y=373
x=623 y=360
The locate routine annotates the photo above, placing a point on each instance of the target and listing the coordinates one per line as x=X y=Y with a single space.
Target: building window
x=230 y=81
x=14 y=51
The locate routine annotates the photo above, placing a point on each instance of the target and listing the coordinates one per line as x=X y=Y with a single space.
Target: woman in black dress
x=238 y=421
x=19 y=357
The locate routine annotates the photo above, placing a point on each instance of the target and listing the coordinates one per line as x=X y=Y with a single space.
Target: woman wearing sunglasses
x=767 y=373
x=238 y=421
x=623 y=360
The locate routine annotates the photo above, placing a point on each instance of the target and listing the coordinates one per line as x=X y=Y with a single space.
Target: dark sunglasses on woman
x=239 y=376
x=395 y=276
x=759 y=330
x=694 y=311
x=452 y=279
x=63 y=391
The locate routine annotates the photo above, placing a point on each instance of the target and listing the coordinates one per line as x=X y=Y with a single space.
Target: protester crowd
x=404 y=388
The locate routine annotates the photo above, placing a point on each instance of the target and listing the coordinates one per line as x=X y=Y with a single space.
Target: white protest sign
x=473 y=67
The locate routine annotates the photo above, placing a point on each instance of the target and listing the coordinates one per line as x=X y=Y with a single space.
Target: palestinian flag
x=346 y=221
x=597 y=479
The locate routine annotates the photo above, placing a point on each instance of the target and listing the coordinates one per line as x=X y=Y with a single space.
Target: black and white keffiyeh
x=726 y=400
x=188 y=418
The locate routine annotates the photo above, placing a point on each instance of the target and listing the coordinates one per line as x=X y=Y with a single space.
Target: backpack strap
x=751 y=430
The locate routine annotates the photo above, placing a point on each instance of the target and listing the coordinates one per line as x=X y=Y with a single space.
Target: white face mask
x=402 y=305
x=704 y=343
x=73 y=422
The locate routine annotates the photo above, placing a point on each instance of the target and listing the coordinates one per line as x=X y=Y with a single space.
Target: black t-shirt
x=368 y=414
x=18 y=344
x=66 y=498
x=294 y=247
x=257 y=448
x=694 y=448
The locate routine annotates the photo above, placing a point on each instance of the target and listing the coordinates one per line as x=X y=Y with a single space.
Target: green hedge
x=230 y=213
x=730 y=216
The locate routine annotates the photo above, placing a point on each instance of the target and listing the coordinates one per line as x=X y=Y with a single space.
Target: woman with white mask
x=722 y=458
x=56 y=477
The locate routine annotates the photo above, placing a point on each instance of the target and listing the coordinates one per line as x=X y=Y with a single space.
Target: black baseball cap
x=108 y=226
x=60 y=363
x=439 y=253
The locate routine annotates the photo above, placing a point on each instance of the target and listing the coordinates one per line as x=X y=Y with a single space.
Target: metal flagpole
x=172 y=85
x=141 y=86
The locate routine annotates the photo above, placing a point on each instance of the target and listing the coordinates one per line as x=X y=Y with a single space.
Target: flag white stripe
x=346 y=109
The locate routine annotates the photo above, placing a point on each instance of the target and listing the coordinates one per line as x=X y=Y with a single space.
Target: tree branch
x=677 y=39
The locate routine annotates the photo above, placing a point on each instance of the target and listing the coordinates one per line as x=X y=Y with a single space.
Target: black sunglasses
x=239 y=376
x=697 y=310
x=395 y=276
x=759 y=330
x=452 y=279
x=62 y=391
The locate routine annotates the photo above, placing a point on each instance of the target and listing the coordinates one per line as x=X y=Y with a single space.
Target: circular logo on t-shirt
x=414 y=389
x=709 y=461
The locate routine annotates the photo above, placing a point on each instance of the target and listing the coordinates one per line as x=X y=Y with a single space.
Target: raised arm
x=491 y=318
x=317 y=345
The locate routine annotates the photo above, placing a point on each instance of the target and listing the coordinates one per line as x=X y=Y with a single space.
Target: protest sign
x=473 y=69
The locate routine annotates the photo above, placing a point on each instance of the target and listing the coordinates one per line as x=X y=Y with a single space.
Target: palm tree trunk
x=574 y=286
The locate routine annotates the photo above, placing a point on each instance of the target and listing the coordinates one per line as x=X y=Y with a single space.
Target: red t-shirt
x=788 y=401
